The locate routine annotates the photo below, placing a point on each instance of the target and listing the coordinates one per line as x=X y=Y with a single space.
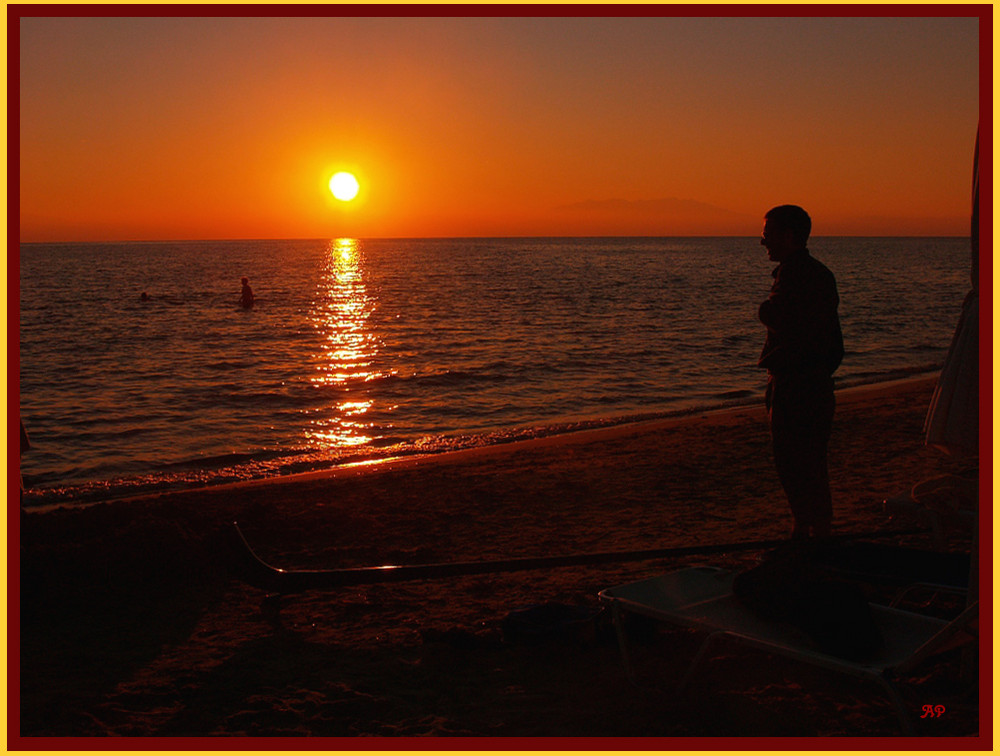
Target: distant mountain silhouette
x=657 y=217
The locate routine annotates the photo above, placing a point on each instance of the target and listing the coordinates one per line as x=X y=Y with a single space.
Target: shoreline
x=847 y=395
x=601 y=429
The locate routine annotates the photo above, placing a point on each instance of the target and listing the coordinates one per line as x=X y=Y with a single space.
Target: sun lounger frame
x=701 y=598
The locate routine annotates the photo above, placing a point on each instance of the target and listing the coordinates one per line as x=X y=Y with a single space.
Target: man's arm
x=778 y=311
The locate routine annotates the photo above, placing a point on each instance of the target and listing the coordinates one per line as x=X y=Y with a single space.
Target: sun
x=344 y=186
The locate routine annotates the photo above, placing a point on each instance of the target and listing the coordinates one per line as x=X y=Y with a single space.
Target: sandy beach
x=136 y=620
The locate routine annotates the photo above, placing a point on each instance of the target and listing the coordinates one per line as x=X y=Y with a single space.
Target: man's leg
x=801 y=421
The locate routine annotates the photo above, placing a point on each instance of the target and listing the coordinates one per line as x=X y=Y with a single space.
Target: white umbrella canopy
x=953 y=418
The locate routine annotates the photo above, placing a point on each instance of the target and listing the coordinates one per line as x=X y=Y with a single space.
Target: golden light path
x=341 y=312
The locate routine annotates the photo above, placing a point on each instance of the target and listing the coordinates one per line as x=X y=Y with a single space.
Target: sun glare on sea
x=344 y=186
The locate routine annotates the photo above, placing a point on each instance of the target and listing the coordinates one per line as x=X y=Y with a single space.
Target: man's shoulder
x=805 y=264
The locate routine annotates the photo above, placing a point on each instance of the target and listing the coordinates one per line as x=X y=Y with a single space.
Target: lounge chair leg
x=697 y=662
x=897 y=702
x=618 y=620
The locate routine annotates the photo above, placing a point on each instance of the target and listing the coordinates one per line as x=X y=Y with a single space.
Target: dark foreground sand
x=135 y=620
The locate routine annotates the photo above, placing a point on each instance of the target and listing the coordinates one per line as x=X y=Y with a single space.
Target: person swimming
x=246 y=296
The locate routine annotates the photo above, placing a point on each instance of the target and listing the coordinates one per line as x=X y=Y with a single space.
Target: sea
x=367 y=349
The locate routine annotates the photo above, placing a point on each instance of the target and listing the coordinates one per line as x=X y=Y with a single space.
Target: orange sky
x=231 y=128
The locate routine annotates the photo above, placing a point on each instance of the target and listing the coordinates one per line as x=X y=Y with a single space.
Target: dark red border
x=13 y=380
x=981 y=11
x=984 y=740
x=986 y=378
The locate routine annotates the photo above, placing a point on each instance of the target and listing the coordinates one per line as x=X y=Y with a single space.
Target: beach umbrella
x=953 y=417
x=952 y=422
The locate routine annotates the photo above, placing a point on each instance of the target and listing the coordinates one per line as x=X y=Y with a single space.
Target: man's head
x=786 y=231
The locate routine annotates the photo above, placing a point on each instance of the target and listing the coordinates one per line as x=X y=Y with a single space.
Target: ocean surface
x=361 y=349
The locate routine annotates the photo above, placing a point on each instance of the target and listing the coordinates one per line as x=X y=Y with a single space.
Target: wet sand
x=137 y=620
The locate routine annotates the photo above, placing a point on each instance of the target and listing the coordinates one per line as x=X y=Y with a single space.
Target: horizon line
x=488 y=236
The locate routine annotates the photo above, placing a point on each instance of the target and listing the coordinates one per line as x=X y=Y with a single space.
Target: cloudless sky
x=165 y=128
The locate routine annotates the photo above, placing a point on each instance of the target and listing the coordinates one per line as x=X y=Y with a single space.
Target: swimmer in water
x=246 y=296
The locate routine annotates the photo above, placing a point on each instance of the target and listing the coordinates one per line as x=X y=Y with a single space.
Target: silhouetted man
x=804 y=347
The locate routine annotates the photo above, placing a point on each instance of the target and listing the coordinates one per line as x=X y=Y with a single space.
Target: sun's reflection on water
x=341 y=314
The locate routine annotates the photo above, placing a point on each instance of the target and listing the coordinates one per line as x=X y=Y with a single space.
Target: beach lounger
x=701 y=598
x=945 y=505
x=907 y=570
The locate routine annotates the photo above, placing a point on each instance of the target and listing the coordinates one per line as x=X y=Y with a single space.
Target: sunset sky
x=198 y=128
